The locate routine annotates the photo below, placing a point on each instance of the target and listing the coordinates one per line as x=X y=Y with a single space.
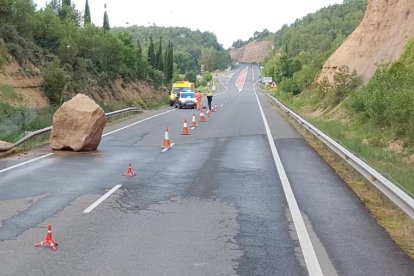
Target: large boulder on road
x=78 y=125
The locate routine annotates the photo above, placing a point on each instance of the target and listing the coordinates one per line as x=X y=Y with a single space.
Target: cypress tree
x=64 y=9
x=159 y=57
x=87 y=15
x=151 y=53
x=106 y=21
x=139 y=50
x=168 y=62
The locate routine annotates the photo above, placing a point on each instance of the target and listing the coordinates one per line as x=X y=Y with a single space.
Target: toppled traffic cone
x=129 y=172
x=201 y=118
x=193 y=121
x=167 y=142
x=185 y=128
x=48 y=240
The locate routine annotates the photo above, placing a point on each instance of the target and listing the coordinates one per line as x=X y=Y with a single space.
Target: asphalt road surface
x=243 y=194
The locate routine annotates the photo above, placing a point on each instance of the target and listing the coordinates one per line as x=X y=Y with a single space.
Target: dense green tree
x=87 y=15
x=6 y=10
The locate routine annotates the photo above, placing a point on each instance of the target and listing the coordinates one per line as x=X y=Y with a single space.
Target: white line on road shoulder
x=109 y=133
x=309 y=254
x=102 y=198
x=26 y=162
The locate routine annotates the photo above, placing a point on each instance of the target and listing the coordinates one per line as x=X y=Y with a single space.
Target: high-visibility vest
x=210 y=93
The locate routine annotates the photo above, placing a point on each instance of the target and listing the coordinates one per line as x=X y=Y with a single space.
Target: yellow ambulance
x=180 y=86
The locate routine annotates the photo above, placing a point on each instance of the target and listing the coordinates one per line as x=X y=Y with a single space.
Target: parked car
x=185 y=99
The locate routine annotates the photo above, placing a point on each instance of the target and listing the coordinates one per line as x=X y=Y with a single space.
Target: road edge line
x=308 y=251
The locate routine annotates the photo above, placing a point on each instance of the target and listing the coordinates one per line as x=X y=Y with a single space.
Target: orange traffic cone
x=193 y=121
x=201 y=118
x=48 y=240
x=167 y=142
x=129 y=172
x=185 y=128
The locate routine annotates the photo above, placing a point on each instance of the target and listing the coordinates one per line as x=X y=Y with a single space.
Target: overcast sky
x=229 y=20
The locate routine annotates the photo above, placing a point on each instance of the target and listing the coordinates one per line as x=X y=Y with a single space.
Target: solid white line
x=133 y=124
x=26 y=162
x=102 y=198
x=309 y=254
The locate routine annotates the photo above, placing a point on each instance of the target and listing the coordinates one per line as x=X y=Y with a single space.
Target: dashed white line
x=133 y=124
x=165 y=149
x=309 y=254
x=101 y=199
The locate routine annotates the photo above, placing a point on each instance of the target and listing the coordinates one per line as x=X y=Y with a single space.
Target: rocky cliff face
x=380 y=38
x=252 y=52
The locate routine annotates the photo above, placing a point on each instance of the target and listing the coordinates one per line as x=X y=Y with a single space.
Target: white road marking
x=26 y=162
x=109 y=133
x=309 y=254
x=101 y=199
x=165 y=149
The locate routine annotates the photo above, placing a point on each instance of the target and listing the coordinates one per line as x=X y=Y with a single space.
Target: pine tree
x=159 y=57
x=106 y=21
x=151 y=53
x=87 y=16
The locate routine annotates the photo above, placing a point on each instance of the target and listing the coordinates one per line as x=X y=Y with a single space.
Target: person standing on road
x=199 y=98
x=210 y=94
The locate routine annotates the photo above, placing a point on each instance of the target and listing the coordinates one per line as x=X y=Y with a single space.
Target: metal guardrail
x=47 y=130
x=386 y=187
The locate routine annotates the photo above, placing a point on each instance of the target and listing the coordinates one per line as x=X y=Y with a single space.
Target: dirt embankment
x=254 y=52
x=29 y=93
x=28 y=88
x=380 y=38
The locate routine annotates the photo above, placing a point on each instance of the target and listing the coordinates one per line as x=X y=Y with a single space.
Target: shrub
x=55 y=80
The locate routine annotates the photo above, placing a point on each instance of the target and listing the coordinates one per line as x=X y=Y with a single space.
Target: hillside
x=253 y=52
x=380 y=38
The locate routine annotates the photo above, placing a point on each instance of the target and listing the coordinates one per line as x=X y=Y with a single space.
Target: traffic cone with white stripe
x=201 y=118
x=185 y=128
x=193 y=121
x=167 y=142
x=129 y=172
x=48 y=240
